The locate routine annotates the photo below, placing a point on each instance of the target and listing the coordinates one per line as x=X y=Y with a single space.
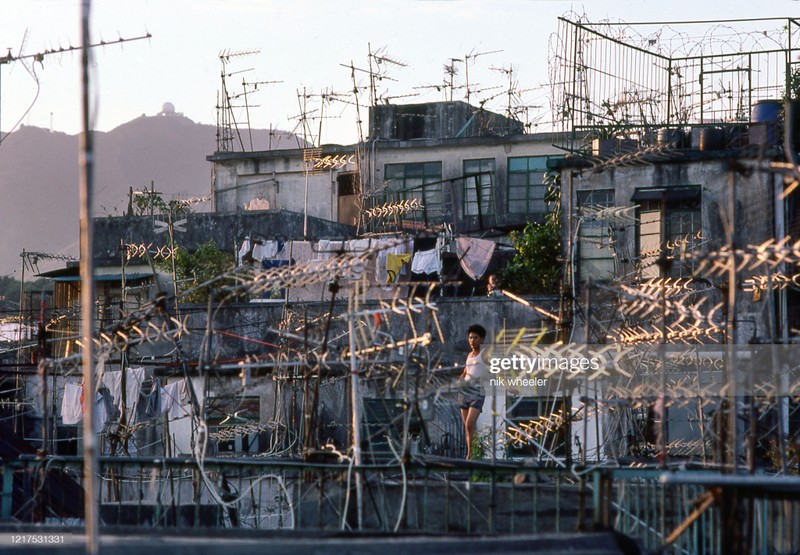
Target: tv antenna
x=471 y=56
x=40 y=56
x=451 y=70
x=227 y=128
x=380 y=58
x=253 y=89
x=509 y=71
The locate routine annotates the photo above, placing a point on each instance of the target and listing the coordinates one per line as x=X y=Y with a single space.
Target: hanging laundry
x=171 y=394
x=149 y=403
x=381 y=275
x=265 y=249
x=244 y=252
x=133 y=385
x=474 y=255
x=394 y=264
x=72 y=404
x=274 y=263
x=426 y=262
x=299 y=251
x=100 y=413
x=324 y=249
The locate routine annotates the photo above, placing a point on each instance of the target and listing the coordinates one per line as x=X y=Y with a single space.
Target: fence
x=656 y=508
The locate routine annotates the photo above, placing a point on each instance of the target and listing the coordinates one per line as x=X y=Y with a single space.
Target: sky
x=302 y=44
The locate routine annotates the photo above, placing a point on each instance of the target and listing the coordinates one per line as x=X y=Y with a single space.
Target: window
x=595 y=250
x=526 y=188
x=675 y=212
x=478 y=189
x=420 y=180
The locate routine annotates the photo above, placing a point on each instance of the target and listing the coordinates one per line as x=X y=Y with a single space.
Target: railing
x=659 y=510
x=435 y=497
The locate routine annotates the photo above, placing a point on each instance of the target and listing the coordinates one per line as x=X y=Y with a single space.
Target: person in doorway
x=472 y=397
x=493 y=287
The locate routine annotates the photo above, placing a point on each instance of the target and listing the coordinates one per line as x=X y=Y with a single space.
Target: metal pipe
x=356 y=422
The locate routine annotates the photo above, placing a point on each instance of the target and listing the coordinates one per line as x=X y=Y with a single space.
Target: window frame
x=600 y=232
x=673 y=202
x=472 y=206
x=533 y=166
x=399 y=184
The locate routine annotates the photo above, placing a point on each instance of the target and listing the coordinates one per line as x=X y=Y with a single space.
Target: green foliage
x=794 y=84
x=198 y=267
x=9 y=288
x=535 y=267
x=145 y=202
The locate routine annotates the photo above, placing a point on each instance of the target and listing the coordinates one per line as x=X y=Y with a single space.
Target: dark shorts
x=471 y=398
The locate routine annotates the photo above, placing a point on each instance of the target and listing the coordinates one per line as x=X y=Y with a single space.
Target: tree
x=535 y=267
x=145 y=202
x=198 y=267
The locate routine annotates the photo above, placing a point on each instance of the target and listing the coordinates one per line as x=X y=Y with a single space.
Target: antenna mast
x=39 y=56
x=227 y=128
x=467 y=58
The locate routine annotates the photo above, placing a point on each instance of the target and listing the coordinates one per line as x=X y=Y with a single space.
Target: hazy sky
x=301 y=43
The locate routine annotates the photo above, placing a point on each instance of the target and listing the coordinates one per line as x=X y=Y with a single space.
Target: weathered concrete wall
x=754 y=221
x=437 y=120
x=226 y=230
x=280 y=176
x=454 y=315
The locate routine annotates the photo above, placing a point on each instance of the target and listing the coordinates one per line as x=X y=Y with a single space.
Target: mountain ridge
x=39 y=177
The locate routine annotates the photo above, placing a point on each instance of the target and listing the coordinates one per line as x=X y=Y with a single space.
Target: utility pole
x=90 y=460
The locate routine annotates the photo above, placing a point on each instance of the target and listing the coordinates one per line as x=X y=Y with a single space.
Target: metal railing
x=438 y=496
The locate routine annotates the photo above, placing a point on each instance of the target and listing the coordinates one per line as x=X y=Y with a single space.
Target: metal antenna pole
x=90 y=462
x=356 y=410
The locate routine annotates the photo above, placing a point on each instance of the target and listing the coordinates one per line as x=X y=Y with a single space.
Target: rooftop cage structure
x=641 y=82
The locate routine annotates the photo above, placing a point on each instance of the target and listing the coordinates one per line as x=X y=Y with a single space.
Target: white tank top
x=476 y=369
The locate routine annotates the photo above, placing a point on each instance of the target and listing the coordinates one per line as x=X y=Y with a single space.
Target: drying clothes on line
x=426 y=262
x=72 y=408
x=394 y=265
x=149 y=405
x=101 y=413
x=299 y=251
x=113 y=381
x=171 y=394
x=244 y=250
x=324 y=249
x=265 y=249
x=133 y=386
x=72 y=404
x=358 y=247
x=260 y=252
x=274 y=263
x=381 y=275
x=474 y=255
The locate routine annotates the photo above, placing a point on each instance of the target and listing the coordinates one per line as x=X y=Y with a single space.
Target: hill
x=39 y=175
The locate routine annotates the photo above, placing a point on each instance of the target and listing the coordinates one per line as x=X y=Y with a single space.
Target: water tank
x=672 y=137
x=765 y=116
x=708 y=138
